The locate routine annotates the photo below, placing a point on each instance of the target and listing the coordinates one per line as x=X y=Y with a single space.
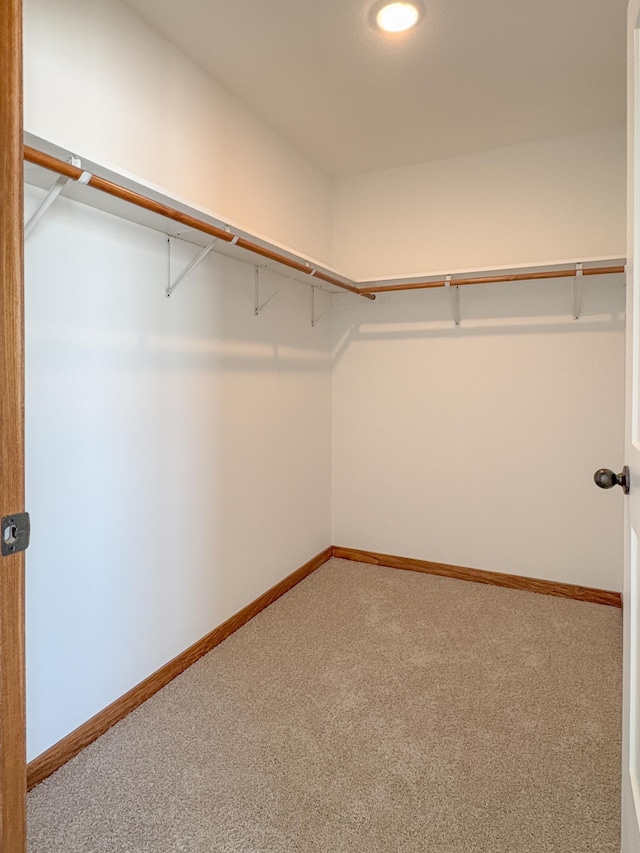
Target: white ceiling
x=474 y=74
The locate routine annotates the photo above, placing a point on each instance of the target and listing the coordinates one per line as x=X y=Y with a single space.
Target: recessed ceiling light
x=396 y=17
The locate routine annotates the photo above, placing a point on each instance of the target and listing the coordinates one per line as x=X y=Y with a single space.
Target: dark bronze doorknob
x=606 y=479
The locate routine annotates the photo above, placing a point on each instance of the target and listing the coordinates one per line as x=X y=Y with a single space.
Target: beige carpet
x=369 y=709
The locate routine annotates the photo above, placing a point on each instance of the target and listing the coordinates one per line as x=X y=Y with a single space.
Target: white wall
x=539 y=202
x=476 y=445
x=178 y=454
x=102 y=83
x=178 y=451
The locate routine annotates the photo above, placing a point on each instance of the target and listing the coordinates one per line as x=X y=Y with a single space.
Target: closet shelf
x=614 y=266
x=133 y=201
x=148 y=206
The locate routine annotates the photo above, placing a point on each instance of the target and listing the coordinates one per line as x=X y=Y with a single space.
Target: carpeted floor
x=369 y=709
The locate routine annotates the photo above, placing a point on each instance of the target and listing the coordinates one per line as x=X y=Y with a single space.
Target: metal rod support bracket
x=234 y=239
x=171 y=286
x=315 y=319
x=455 y=299
x=258 y=307
x=52 y=195
x=577 y=292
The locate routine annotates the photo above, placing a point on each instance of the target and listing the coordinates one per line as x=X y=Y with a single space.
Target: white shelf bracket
x=53 y=194
x=315 y=319
x=455 y=299
x=577 y=292
x=259 y=307
x=171 y=286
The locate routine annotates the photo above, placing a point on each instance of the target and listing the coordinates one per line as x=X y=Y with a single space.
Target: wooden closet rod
x=524 y=276
x=53 y=164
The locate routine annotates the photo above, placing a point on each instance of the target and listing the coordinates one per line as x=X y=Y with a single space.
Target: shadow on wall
x=513 y=308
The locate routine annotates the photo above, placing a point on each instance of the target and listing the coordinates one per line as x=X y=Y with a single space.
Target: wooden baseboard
x=563 y=590
x=57 y=755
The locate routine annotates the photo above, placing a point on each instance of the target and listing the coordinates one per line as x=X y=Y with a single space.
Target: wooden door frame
x=12 y=644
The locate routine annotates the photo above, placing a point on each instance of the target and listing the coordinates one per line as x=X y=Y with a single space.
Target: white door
x=631 y=592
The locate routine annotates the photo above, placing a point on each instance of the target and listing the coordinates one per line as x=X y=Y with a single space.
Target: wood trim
x=562 y=590
x=67 y=748
x=53 y=164
x=12 y=673
x=494 y=279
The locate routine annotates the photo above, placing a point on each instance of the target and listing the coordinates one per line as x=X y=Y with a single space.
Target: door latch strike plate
x=15 y=531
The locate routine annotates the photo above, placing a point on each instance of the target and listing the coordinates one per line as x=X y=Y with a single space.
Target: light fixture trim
x=397 y=17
